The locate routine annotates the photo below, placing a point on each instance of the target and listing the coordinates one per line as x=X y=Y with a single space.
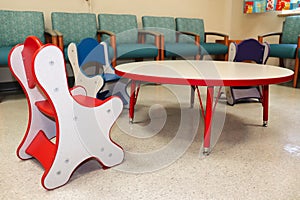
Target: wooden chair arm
x=216 y=34
x=261 y=37
x=196 y=36
x=59 y=39
x=113 y=43
x=225 y=36
x=142 y=36
x=50 y=36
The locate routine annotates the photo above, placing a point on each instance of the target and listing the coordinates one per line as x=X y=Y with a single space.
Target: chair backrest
x=31 y=45
x=74 y=26
x=249 y=50
x=164 y=25
x=290 y=30
x=90 y=52
x=123 y=25
x=194 y=25
x=15 y=26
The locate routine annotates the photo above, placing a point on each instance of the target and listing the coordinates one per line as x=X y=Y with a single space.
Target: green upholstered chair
x=288 y=44
x=15 y=26
x=170 y=45
x=73 y=27
x=193 y=26
x=125 y=39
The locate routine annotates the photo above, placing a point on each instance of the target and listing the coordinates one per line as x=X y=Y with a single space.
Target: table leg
x=134 y=91
x=132 y=100
x=208 y=119
x=265 y=103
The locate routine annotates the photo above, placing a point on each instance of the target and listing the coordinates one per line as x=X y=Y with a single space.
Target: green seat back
x=191 y=25
x=124 y=26
x=291 y=30
x=163 y=25
x=17 y=25
x=74 y=26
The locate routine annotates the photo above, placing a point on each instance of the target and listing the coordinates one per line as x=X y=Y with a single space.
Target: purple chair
x=249 y=50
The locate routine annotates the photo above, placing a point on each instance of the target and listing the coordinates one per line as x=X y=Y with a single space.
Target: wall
x=212 y=12
x=219 y=15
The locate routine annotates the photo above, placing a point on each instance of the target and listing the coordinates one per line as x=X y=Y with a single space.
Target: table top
x=204 y=73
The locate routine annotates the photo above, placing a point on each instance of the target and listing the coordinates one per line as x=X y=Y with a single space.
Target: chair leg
x=296 y=71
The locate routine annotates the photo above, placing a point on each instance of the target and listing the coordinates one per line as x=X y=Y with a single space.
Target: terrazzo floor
x=163 y=152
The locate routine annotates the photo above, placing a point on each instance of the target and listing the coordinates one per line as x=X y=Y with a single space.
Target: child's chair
x=80 y=123
x=249 y=50
x=90 y=61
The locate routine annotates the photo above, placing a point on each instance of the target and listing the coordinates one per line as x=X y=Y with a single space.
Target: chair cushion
x=74 y=26
x=283 y=50
x=124 y=26
x=213 y=49
x=136 y=51
x=180 y=49
x=4 y=51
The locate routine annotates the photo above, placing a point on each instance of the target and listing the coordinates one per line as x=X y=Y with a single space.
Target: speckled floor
x=163 y=159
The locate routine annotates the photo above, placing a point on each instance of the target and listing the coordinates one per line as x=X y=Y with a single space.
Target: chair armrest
x=142 y=34
x=59 y=39
x=113 y=43
x=225 y=36
x=261 y=37
x=50 y=36
x=196 y=36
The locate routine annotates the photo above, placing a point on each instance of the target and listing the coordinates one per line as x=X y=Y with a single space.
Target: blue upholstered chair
x=288 y=44
x=195 y=26
x=125 y=40
x=73 y=27
x=15 y=26
x=171 y=47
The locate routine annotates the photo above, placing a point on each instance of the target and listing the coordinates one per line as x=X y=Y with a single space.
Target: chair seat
x=180 y=49
x=283 y=50
x=110 y=77
x=213 y=49
x=47 y=108
x=4 y=51
x=136 y=51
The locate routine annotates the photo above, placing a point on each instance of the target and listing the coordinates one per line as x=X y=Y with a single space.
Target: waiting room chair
x=93 y=71
x=15 y=26
x=171 y=47
x=249 y=50
x=195 y=26
x=81 y=124
x=121 y=32
x=288 y=44
x=73 y=27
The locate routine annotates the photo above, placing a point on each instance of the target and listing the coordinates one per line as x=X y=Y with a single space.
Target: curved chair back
x=249 y=50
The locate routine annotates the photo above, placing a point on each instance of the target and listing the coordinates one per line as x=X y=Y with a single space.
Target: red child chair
x=81 y=124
